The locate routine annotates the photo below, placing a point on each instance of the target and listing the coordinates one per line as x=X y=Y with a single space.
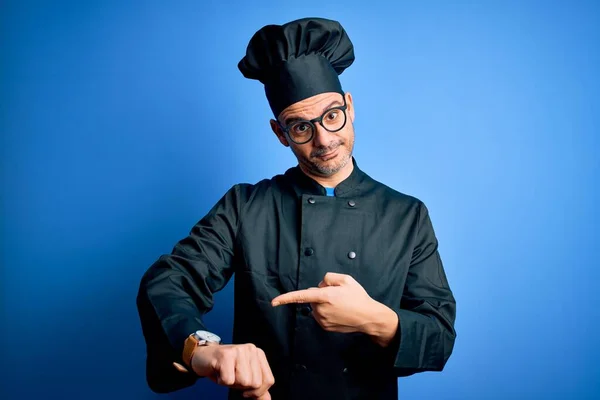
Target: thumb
x=335 y=279
x=265 y=396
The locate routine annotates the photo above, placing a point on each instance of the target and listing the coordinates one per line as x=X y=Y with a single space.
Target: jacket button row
x=311 y=200
x=305 y=310
x=309 y=251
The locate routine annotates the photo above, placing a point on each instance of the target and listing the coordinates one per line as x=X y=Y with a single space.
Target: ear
x=279 y=133
x=350 y=108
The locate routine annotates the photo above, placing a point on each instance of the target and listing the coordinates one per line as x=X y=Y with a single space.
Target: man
x=339 y=287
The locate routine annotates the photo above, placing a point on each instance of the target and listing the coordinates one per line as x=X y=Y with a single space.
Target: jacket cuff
x=177 y=330
x=422 y=345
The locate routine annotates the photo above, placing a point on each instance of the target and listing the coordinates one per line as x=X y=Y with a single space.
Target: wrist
x=197 y=340
x=382 y=325
x=200 y=362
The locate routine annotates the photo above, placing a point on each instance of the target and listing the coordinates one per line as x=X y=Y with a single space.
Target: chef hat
x=298 y=60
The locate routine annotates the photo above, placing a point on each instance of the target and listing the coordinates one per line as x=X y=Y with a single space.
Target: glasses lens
x=301 y=132
x=334 y=120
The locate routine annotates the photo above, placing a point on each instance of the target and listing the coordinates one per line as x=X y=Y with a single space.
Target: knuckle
x=239 y=351
x=244 y=381
x=262 y=357
x=227 y=380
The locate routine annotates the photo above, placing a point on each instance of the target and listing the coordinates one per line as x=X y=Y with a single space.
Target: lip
x=328 y=156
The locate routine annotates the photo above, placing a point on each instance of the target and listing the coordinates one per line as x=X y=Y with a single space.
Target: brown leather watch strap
x=188 y=349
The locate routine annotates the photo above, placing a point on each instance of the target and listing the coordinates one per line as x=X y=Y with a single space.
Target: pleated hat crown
x=298 y=60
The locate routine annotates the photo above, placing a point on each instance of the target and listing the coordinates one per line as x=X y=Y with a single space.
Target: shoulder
x=248 y=192
x=394 y=203
x=387 y=194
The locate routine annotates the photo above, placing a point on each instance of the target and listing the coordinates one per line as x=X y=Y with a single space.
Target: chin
x=327 y=169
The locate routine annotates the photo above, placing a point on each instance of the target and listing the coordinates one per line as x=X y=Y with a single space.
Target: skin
x=339 y=302
x=242 y=366
x=330 y=170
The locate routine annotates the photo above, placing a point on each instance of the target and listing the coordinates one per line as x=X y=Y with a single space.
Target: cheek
x=348 y=137
x=303 y=151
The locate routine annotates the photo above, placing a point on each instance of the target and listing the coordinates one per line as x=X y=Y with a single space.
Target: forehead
x=310 y=107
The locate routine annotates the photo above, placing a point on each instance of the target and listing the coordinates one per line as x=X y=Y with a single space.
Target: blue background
x=123 y=123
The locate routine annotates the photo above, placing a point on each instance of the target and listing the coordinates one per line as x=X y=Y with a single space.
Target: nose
x=322 y=137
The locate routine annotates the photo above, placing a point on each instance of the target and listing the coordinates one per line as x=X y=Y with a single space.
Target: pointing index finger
x=312 y=295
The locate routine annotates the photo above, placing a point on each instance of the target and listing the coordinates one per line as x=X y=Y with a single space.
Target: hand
x=339 y=304
x=242 y=367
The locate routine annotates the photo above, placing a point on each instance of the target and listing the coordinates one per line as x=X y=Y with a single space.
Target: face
x=327 y=152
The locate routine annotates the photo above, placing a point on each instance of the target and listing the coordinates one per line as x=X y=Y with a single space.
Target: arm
x=419 y=334
x=177 y=290
x=425 y=333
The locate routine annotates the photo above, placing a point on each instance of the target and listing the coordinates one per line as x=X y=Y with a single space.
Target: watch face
x=208 y=336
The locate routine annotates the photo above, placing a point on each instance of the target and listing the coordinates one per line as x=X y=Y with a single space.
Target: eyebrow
x=294 y=119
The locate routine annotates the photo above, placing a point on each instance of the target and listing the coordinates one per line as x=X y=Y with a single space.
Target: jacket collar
x=303 y=184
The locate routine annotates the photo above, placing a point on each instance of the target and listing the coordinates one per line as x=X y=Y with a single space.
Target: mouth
x=328 y=156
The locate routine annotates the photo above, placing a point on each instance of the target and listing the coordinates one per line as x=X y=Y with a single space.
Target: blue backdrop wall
x=123 y=122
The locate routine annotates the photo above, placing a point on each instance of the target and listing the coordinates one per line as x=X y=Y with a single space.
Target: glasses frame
x=312 y=122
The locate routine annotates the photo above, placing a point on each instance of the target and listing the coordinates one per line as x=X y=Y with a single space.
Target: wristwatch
x=198 y=338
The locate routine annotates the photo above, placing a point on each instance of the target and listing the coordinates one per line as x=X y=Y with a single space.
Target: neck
x=332 y=180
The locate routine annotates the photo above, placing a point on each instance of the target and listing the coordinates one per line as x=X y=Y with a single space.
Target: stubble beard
x=332 y=167
x=328 y=168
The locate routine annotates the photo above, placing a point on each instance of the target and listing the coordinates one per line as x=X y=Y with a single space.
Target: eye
x=301 y=128
x=332 y=115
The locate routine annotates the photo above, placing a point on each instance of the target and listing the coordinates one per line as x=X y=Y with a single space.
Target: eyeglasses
x=302 y=131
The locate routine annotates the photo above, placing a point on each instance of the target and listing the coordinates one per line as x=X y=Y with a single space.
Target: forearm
x=167 y=305
x=426 y=337
x=169 y=309
x=163 y=348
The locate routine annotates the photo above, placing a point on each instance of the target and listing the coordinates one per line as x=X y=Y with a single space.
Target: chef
x=339 y=288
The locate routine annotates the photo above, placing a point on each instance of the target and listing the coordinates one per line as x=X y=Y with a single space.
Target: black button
x=311 y=200
x=309 y=251
x=305 y=310
x=352 y=255
x=351 y=203
x=345 y=371
x=300 y=367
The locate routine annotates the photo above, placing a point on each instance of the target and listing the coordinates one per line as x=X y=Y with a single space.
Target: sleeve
x=426 y=334
x=177 y=290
